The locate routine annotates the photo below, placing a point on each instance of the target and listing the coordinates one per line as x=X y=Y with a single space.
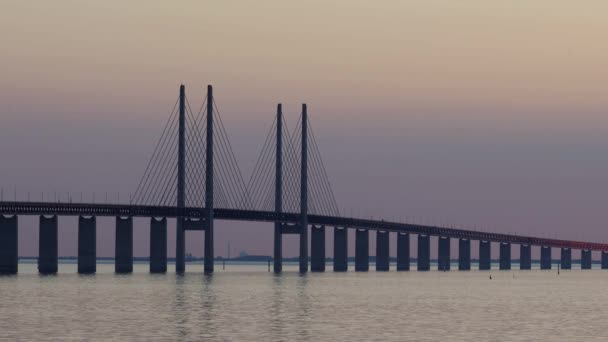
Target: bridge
x=193 y=177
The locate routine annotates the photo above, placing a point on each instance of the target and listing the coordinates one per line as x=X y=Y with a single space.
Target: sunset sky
x=490 y=115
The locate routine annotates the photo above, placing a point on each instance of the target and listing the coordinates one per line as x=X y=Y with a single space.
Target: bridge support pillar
x=505 y=256
x=424 y=253
x=317 y=245
x=604 y=260
x=525 y=257
x=340 y=249
x=566 y=258
x=180 y=245
x=545 y=258
x=277 y=256
x=464 y=254
x=362 y=250
x=47 y=245
x=123 y=260
x=585 y=259
x=87 y=244
x=403 y=252
x=158 y=245
x=485 y=261
x=9 y=255
x=443 y=260
x=382 y=250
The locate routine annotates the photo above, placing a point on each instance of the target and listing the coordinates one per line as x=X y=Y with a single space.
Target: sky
x=478 y=114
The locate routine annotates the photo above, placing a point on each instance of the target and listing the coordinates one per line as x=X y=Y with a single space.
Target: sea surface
x=247 y=303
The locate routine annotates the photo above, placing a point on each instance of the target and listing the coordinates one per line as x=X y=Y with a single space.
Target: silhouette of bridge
x=288 y=187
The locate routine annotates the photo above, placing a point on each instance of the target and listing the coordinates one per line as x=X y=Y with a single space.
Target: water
x=246 y=303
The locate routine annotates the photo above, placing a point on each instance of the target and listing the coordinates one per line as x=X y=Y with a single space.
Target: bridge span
x=195 y=214
x=193 y=194
x=194 y=217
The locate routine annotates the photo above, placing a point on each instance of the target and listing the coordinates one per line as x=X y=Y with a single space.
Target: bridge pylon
x=209 y=255
x=180 y=238
x=278 y=192
x=304 y=194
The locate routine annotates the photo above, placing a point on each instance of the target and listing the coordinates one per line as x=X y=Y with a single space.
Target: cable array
x=227 y=177
x=158 y=185
x=196 y=137
x=261 y=185
x=319 y=186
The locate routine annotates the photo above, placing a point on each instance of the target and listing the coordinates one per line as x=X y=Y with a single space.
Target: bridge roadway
x=126 y=210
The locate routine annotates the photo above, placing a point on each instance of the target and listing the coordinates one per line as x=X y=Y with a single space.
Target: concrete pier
x=424 y=253
x=604 y=260
x=47 y=245
x=403 y=252
x=566 y=259
x=382 y=250
x=158 y=245
x=505 y=256
x=443 y=260
x=340 y=249
x=362 y=250
x=123 y=260
x=9 y=251
x=277 y=248
x=87 y=244
x=317 y=249
x=525 y=257
x=485 y=261
x=545 y=258
x=464 y=254
x=585 y=259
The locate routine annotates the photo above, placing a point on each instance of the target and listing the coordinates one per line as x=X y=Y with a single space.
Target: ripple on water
x=246 y=303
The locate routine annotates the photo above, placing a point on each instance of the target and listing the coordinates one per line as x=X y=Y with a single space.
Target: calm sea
x=246 y=303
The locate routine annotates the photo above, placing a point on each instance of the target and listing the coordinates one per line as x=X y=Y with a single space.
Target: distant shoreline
x=265 y=258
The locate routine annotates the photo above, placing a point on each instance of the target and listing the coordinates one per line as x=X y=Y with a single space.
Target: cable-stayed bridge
x=193 y=176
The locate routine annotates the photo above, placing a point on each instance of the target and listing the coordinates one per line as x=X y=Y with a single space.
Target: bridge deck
x=90 y=209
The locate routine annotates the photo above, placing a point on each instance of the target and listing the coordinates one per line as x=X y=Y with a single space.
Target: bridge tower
x=180 y=239
x=209 y=255
x=278 y=192
x=304 y=194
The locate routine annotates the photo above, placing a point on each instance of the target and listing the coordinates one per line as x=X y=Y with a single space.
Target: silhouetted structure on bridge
x=296 y=197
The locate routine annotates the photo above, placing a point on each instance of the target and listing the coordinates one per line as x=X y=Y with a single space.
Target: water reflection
x=181 y=307
x=276 y=312
x=208 y=300
x=303 y=305
x=248 y=304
